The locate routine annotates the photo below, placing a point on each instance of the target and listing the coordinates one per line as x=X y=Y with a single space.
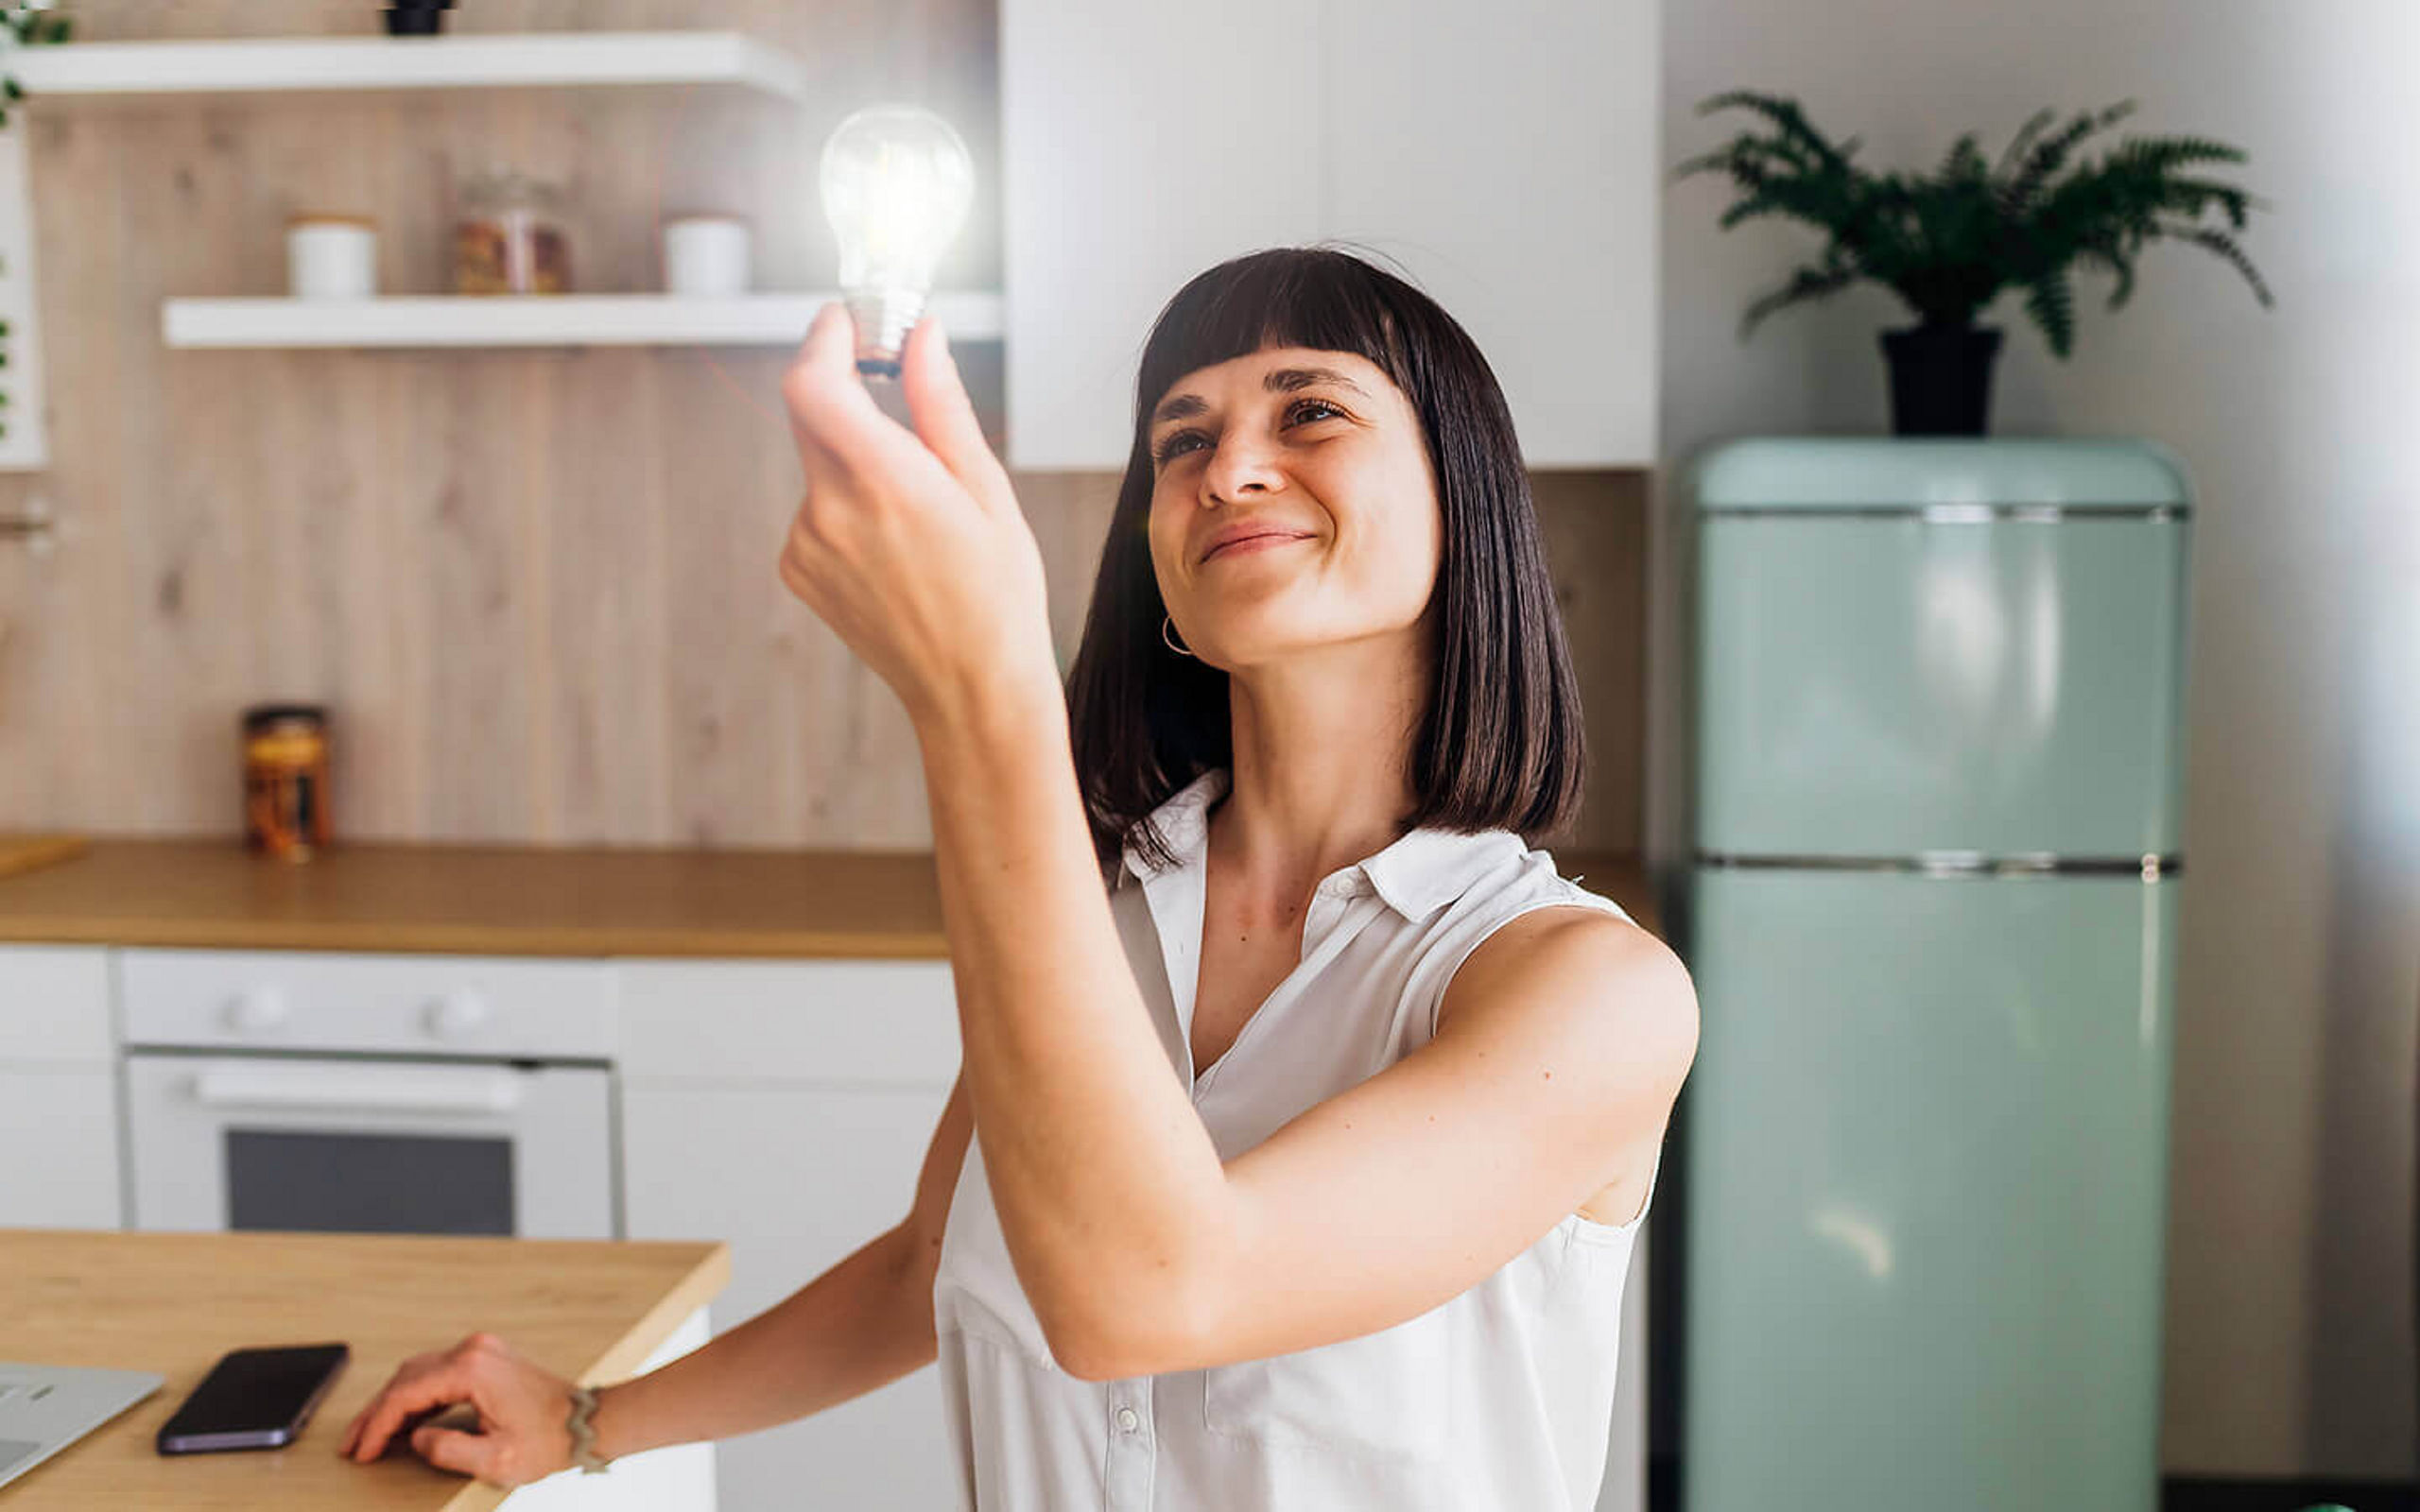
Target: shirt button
x=1126 y=1420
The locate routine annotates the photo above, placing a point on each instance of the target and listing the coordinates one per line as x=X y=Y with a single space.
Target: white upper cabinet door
x=1140 y=143
x=1505 y=154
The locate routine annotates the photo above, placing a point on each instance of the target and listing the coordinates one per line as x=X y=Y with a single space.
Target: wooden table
x=174 y=1302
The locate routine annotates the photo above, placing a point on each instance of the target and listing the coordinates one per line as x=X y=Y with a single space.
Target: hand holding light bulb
x=896 y=184
x=910 y=543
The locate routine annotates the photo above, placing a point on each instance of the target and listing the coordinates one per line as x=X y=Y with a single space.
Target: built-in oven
x=369 y=1093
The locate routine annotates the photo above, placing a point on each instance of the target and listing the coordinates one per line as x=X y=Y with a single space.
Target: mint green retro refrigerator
x=1933 y=927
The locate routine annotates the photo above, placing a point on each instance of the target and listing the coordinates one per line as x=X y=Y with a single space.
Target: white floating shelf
x=532 y=320
x=137 y=71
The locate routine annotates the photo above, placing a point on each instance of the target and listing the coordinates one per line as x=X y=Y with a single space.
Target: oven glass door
x=371 y=1146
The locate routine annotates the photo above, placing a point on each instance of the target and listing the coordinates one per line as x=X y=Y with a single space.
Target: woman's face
x=1292 y=506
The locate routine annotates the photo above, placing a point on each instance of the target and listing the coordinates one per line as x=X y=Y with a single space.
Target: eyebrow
x=1278 y=381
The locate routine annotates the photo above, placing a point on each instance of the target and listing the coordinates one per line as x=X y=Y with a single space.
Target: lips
x=1255 y=533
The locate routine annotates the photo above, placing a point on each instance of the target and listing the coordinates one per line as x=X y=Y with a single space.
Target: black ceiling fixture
x=417 y=18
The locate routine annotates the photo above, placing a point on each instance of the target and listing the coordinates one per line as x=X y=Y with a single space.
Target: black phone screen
x=253 y=1399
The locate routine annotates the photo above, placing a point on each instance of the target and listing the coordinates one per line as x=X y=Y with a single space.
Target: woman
x=1313 y=1114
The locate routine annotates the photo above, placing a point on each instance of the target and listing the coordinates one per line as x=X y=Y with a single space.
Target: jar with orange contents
x=286 y=780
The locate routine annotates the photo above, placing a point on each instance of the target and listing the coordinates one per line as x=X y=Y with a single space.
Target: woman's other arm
x=860 y=1325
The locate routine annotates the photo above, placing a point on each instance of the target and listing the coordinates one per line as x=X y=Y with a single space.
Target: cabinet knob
x=257 y=1010
x=457 y=1015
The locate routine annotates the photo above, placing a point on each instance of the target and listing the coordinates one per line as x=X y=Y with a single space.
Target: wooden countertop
x=175 y=1302
x=527 y=901
x=484 y=900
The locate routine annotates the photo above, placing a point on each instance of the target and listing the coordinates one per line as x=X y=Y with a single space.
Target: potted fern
x=1947 y=244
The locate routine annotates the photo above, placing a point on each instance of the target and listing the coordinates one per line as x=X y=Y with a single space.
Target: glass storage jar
x=509 y=238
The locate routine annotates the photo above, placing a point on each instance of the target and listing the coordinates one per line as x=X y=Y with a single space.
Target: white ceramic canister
x=331 y=257
x=705 y=254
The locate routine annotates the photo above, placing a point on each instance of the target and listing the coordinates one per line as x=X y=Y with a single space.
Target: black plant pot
x=1940 y=378
x=417 y=18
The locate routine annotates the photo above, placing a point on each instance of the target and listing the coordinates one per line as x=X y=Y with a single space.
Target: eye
x=1174 y=444
x=1301 y=412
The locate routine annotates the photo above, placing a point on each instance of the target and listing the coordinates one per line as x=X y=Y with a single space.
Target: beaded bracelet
x=583 y=1433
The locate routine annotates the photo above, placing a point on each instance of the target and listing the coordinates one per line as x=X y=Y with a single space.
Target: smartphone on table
x=253 y=1399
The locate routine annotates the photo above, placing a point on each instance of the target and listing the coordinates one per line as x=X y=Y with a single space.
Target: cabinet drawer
x=790 y=1021
x=418 y=1004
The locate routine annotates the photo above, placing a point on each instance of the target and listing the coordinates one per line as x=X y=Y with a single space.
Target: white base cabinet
x=785 y=1108
x=58 y=1090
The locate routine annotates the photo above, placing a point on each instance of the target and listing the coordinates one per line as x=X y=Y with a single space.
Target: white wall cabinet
x=784 y=1108
x=1507 y=156
x=58 y=1089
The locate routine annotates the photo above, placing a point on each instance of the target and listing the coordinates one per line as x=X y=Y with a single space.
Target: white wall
x=2290 y=1299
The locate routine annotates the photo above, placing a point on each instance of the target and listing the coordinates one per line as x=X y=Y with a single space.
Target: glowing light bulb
x=896 y=184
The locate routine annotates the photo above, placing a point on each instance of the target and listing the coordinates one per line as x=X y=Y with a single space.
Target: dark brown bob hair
x=1499 y=744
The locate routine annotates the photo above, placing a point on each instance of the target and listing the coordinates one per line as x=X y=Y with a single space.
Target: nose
x=1243 y=464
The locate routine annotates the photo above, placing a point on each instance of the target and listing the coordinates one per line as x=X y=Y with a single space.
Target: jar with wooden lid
x=509 y=237
x=286 y=780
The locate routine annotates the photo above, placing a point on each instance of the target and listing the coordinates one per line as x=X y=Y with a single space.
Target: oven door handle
x=472 y=1090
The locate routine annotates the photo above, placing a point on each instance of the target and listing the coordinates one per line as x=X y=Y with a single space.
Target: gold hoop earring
x=1168 y=635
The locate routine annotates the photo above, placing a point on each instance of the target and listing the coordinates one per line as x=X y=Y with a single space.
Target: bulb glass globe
x=896 y=184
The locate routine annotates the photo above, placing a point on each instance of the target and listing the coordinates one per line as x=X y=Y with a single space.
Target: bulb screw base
x=883 y=318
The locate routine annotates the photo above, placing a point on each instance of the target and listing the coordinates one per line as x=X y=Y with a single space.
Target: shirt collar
x=1183 y=821
x=1418 y=873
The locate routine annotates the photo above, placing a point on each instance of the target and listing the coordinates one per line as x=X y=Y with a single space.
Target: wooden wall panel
x=536 y=588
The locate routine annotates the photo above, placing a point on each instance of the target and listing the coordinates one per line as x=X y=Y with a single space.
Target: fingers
x=413 y=1390
x=832 y=416
x=943 y=416
x=404 y=1426
x=465 y=1453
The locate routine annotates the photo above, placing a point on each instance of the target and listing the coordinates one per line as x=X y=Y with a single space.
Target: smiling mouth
x=1273 y=536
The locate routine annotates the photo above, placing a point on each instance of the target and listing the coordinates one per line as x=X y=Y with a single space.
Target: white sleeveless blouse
x=1500 y=1398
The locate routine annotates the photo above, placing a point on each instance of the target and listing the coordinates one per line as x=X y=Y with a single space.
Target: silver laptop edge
x=43 y=1408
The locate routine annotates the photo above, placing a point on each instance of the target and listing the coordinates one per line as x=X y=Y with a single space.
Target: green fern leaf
x=2053 y=304
x=2118 y=264
x=2221 y=243
x=1960 y=152
x=2052 y=154
x=2025 y=135
x=2190 y=194
x=1795 y=132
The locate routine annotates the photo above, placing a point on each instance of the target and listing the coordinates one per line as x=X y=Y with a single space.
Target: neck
x=1320 y=777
